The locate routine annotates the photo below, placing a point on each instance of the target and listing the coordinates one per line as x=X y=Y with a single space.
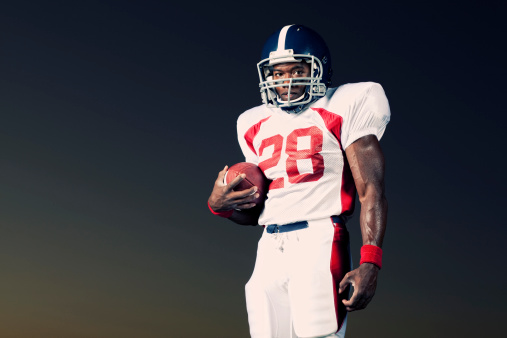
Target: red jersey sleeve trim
x=333 y=123
x=252 y=132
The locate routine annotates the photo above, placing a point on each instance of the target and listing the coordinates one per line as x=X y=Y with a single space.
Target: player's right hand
x=224 y=198
x=364 y=281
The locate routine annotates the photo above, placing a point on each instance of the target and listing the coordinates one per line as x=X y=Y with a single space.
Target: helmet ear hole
x=268 y=72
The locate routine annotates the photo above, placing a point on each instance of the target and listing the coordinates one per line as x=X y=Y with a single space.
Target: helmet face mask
x=307 y=46
x=313 y=83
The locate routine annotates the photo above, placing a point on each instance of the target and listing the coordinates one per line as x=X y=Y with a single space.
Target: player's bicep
x=366 y=162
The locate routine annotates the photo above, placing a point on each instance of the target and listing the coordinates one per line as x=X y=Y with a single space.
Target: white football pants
x=293 y=291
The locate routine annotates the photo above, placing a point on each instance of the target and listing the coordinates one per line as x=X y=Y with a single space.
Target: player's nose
x=287 y=78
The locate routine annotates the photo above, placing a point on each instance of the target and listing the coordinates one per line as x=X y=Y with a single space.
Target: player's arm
x=367 y=165
x=223 y=199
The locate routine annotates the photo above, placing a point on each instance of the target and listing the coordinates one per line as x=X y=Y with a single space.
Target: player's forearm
x=367 y=165
x=373 y=217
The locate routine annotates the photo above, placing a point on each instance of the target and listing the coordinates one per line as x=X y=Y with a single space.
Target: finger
x=356 y=307
x=349 y=303
x=352 y=301
x=235 y=181
x=237 y=195
x=344 y=284
x=221 y=175
x=245 y=206
x=248 y=199
x=358 y=301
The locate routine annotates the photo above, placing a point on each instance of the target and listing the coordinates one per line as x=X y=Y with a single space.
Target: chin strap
x=301 y=107
x=295 y=109
x=301 y=98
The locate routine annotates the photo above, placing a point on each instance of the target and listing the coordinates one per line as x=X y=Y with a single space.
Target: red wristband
x=371 y=254
x=224 y=214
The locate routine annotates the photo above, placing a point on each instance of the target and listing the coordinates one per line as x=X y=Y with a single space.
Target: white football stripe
x=282 y=36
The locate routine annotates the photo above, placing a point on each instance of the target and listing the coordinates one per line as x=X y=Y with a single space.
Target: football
x=254 y=177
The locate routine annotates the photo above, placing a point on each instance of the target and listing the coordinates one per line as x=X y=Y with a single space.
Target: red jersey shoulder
x=339 y=103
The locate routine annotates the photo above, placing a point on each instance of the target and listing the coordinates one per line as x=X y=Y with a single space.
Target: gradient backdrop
x=116 y=116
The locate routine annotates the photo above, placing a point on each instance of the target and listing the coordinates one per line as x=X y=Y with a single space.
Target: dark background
x=116 y=116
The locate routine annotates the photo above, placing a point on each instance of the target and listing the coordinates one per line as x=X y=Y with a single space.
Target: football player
x=319 y=146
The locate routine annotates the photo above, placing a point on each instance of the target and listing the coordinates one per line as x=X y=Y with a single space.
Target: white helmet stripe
x=282 y=36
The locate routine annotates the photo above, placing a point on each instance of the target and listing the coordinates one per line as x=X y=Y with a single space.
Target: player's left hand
x=364 y=281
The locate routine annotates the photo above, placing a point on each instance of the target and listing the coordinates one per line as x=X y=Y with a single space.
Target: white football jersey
x=303 y=153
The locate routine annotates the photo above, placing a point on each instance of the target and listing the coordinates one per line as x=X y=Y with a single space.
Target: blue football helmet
x=294 y=43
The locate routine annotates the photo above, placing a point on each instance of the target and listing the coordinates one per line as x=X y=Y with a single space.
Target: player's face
x=287 y=71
